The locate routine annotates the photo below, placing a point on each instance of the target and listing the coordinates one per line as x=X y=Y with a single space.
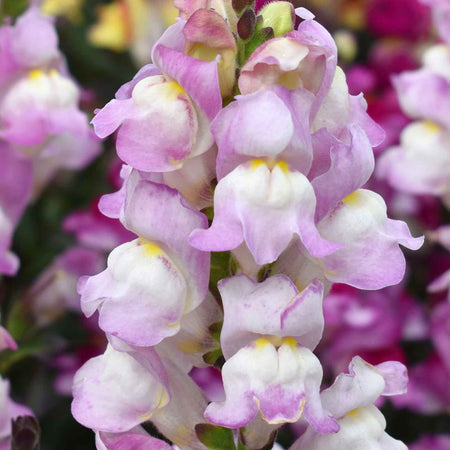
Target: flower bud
x=279 y=16
x=208 y=35
x=246 y=24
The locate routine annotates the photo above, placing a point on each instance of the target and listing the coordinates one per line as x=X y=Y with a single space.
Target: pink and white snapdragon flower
x=294 y=150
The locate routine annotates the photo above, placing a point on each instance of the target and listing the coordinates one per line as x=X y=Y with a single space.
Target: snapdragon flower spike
x=151 y=282
x=115 y=401
x=370 y=257
x=179 y=96
x=281 y=380
x=15 y=190
x=305 y=58
x=273 y=307
x=350 y=399
x=264 y=205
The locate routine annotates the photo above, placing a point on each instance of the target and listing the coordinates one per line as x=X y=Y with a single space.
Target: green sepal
x=220 y=269
x=214 y=357
x=259 y=37
x=215 y=437
x=215 y=329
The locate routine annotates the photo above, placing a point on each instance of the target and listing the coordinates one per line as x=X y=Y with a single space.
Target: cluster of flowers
x=377 y=325
x=249 y=121
x=420 y=166
x=42 y=128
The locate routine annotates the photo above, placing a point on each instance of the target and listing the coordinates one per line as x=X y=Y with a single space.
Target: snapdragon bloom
x=350 y=399
x=291 y=151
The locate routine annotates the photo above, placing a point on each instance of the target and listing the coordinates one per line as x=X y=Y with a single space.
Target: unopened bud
x=267 y=33
x=279 y=16
x=246 y=24
x=25 y=433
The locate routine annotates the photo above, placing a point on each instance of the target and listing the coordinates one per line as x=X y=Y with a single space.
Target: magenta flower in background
x=409 y=19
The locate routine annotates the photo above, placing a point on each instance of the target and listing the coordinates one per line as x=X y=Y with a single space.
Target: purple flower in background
x=409 y=19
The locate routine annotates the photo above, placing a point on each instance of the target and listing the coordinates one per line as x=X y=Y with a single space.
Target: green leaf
x=214 y=437
x=215 y=330
x=19 y=321
x=9 y=357
x=220 y=268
